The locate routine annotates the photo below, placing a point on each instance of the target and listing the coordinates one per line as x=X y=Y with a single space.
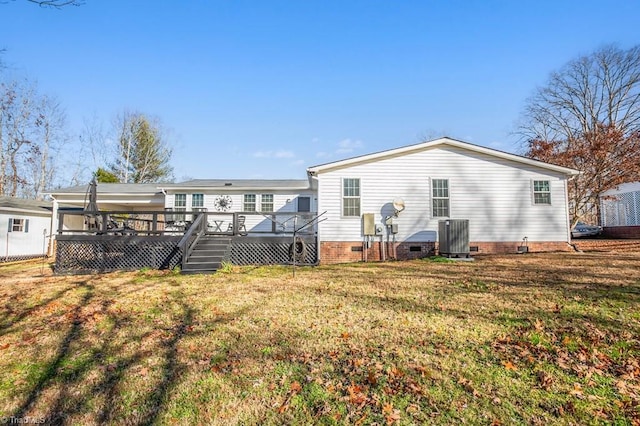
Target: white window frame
x=179 y=208
x=18 y=224
x=535 y=192
x=193 y=198
x=433 y=198
x=268 y=203
x=350 y=197
x=253 y=204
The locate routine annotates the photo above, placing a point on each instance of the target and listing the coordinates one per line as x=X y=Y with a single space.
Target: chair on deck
x=241 y=226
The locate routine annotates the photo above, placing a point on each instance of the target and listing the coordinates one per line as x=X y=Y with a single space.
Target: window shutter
x=10 y=225
x=26 y=225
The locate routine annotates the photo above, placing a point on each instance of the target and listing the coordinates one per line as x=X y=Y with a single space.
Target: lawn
x=533 y=339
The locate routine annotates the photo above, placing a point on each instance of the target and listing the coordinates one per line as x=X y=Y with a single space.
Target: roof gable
x=445 y=141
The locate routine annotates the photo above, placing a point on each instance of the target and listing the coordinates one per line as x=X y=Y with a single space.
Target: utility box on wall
x=368 y=224
x=453 y=237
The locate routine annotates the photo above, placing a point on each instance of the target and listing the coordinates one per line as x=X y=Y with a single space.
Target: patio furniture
x=241 y=226
x=217 y=225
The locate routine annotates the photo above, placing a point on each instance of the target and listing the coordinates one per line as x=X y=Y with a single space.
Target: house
x=620 y=208
x=509 y=200
x=382 y=205
x=25 y=227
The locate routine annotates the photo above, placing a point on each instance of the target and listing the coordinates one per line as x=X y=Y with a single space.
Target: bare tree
x=601 y=89
x=16 y=117
x=582 y=117
x=50 y=125
x=91 y=151
x=57 y=4
x=31 y=134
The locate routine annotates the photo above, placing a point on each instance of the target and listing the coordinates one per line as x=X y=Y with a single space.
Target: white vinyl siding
x=440 y=197
x=351 y=197
x=494 y=193
x=24 y=234
x=541 y=192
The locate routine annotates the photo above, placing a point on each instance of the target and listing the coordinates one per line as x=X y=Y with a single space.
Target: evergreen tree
x=143 y=156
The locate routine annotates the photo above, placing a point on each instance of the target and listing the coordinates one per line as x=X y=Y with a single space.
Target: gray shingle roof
x=154 y=188
x=241 y=183
x=24 y=204
x=112 y=188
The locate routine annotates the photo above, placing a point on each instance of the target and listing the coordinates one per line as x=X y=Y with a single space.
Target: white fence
x=621 y=209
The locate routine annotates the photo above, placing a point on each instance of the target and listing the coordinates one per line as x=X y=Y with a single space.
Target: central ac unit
x=453 y=237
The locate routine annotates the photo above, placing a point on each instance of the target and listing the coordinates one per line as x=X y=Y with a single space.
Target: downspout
x=54 y=225
x=311 y=176
x=566 y=207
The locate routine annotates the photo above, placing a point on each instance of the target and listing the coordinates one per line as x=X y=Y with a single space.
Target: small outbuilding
x=25 y=228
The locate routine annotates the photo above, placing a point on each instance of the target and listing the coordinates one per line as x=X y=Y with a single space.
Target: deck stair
x=207 y=255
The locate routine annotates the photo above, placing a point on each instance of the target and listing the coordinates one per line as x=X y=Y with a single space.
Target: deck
x=129 y=240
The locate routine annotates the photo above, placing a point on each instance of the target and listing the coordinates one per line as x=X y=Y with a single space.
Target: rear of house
x=509 y=201
x=401 y=194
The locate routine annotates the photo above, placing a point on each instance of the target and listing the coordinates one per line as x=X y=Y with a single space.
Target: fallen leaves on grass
x=508 y=365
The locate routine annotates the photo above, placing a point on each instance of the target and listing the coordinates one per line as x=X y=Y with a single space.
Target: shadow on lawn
x=53 y=368
x=580 y=280
x=87 y=372
x=13 y=301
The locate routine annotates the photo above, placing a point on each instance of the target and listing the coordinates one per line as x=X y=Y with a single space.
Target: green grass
x=535 y=339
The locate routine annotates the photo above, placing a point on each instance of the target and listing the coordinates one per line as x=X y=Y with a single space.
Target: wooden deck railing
x=179 y=222
x=191 y=237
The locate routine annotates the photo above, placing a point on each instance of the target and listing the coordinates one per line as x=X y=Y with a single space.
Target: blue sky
x=264 y=89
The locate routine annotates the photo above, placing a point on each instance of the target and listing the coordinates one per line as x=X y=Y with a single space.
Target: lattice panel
x=103 y=256
x=270 y=253
x=624 y=210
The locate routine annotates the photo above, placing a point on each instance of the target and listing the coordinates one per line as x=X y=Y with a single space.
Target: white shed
x=25 y=226
x=508 y=200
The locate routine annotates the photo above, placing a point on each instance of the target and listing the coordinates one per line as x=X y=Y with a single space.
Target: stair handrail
x=198 y=229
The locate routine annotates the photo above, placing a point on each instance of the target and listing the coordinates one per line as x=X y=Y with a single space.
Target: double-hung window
x=351 y=197
x=541 y=192
x=18 y=225
x=197 y=201
x=179 y=205
x=266 y=202
x=440 y=197
x=249 y=204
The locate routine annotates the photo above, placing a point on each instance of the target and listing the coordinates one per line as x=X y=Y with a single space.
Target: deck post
x=154 y=222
